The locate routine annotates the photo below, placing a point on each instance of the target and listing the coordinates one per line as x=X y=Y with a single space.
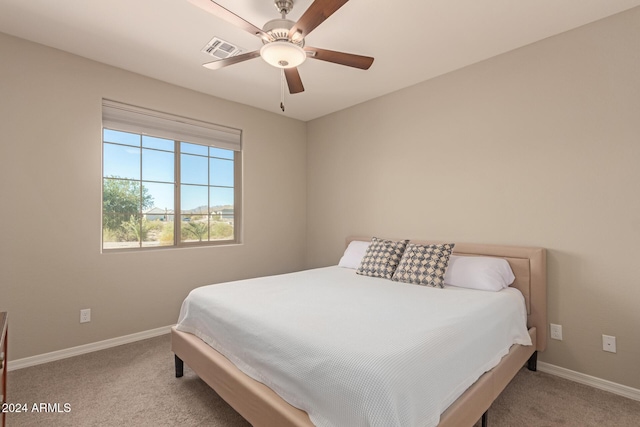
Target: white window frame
x=128 y=118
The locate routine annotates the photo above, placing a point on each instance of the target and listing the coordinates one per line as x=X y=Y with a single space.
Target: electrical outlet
x=85 y=315
x=609 y=343
x=556 y=332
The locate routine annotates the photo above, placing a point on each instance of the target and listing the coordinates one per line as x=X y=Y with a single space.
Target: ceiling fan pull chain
x=282 y=89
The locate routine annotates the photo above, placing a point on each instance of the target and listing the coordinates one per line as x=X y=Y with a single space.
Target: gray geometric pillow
x=424 y=264
x=381 y=258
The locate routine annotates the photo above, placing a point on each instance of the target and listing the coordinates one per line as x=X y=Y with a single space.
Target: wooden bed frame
x=261 y=406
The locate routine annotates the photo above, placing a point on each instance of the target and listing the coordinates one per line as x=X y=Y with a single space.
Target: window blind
x=129 y=118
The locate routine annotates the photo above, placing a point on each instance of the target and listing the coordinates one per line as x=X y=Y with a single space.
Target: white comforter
x=358 y=351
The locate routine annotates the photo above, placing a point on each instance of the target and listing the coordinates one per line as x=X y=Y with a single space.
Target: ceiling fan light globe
x=282 y=54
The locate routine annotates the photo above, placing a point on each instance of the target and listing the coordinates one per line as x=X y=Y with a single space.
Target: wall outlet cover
x=609 y=343
x=556 y=332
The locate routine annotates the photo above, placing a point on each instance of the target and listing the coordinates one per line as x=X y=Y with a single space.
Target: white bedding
x=356 y=351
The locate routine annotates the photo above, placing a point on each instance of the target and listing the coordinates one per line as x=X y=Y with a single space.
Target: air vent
x=220 y=49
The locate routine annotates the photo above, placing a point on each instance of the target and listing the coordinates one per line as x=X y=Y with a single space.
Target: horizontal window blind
x=129 y=118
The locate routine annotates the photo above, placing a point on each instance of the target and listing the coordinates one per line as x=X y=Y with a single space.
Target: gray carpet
x=134 y=385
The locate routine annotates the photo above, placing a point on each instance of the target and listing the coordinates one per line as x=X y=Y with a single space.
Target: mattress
x=354 y=350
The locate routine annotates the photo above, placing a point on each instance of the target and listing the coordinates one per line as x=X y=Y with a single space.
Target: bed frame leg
x=179 y=366
x=485 y=418
x=532 y=363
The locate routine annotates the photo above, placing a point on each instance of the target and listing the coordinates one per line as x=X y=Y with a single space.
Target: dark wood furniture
x=3 y=360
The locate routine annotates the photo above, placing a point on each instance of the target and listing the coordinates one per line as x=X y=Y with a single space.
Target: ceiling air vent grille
x=221 y=49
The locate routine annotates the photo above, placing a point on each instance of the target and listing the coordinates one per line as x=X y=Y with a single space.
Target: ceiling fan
x=283 y=40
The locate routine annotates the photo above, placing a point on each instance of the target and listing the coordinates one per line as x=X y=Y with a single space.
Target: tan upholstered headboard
x=529 y=265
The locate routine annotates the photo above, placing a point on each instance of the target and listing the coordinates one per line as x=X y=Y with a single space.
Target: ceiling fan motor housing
x=279 y=30
x=280 y=51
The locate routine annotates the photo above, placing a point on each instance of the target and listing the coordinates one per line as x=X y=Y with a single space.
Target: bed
x=262 y=406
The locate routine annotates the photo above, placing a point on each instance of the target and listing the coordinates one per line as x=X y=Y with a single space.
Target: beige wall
x=50 y=187
x=539 y=146
x=535 y=147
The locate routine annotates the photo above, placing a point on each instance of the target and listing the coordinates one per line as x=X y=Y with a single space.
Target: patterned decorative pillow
x=381 y=258
x=424 y=264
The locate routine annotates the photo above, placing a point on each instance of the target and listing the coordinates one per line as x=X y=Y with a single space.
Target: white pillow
x=483 y=273
x=353 y=254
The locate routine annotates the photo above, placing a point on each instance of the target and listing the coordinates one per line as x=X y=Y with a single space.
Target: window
x=167 y=181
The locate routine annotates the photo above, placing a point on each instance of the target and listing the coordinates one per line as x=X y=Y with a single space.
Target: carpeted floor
x=134 y=385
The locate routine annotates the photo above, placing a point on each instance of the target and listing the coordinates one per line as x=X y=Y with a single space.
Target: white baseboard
x=619 y=389
x=615 y=388
x=87 y=348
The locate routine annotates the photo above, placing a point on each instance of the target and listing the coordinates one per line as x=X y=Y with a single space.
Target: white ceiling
x=411 y=40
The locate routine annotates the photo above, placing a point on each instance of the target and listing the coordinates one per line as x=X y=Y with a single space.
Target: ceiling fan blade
x=348 y=59
x=220 y=63
x=314 y=16
x=293 y=80
x=222 y=13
